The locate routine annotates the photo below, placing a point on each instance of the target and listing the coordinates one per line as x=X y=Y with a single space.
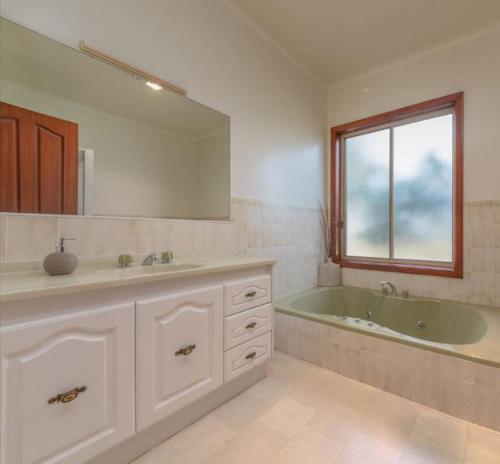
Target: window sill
x=453 y=272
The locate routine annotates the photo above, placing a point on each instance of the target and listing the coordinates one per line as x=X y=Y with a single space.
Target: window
x=397 y=195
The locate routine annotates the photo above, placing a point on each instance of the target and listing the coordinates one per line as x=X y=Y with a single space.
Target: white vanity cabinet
x=179 y=351
x=67 y=386
x=102 y=375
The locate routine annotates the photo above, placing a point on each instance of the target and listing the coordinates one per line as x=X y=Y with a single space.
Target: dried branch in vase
x=328 y=231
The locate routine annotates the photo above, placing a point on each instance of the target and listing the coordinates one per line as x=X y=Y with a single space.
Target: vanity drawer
x=245 y=294
x=242 y=358
x=247 y=325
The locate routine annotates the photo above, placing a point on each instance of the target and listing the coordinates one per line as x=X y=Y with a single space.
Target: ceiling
x=33 y=61
x=337 y=39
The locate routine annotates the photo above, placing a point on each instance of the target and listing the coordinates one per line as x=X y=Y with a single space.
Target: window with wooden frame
x=397 y=190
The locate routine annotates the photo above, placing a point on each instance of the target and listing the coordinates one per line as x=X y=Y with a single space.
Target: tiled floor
x=304 y=414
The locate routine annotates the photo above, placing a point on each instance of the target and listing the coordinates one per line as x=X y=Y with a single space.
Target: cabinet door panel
x=167 y=377
x=55 y=356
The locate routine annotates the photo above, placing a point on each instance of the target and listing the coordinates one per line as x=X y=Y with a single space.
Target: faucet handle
x=125 y=260
x=167 y=256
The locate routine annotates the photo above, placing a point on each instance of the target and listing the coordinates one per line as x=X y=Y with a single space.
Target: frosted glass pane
x=367 y=177
x=423 y=190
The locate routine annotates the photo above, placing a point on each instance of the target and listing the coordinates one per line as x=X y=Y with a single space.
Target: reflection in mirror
x=83 y=137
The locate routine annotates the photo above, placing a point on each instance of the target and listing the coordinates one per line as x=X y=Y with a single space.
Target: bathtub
x=442 y=354
x=462 y=330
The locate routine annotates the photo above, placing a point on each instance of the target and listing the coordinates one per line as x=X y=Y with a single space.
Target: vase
x=329 y=274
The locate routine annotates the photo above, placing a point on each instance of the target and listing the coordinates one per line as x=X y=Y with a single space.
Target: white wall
x=277 y=112
x=473 y=67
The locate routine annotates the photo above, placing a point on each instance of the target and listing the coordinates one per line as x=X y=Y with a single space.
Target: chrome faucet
x=149 y=260
x=385 y=284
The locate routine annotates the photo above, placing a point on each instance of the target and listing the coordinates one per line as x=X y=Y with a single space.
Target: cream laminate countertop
x=23 y=284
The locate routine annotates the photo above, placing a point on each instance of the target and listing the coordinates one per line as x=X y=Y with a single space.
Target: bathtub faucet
x=384 y=285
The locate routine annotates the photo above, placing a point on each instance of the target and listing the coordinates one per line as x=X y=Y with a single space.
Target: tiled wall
x=481 y=282
x=287 y=233
x=461 y=388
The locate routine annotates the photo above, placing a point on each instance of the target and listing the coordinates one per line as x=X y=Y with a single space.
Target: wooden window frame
x=454 y=102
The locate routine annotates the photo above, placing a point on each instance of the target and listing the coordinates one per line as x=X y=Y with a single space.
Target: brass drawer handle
x=252 y=325
x=185 y=351
x=251 y=355
x=68 y=396
x=250 y=294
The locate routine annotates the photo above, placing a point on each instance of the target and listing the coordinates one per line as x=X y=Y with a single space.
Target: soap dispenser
x=60 y=262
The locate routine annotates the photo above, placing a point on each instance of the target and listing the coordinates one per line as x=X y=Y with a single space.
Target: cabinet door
x=93 y=353
x=39 y=157
x=179 y=351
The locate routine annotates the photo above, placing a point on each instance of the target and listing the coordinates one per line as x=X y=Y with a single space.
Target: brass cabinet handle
x=251 y=355
x=68 y=396
x=252 y=325
x=185 y=351
x=250 y=294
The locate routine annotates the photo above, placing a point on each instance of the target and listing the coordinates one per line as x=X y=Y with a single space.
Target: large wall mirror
x=79 y=136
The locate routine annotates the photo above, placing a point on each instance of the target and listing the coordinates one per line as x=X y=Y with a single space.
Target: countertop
x=19 y=283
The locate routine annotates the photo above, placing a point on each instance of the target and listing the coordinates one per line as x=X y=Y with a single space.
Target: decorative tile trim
x=460 y=388
x=483 y=203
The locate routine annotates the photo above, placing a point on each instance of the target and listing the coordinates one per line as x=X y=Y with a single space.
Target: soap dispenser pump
x=61 y=262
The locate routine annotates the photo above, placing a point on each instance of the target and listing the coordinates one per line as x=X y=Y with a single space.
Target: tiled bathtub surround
x=288 y=234
x=464 y=389
x=481 y=282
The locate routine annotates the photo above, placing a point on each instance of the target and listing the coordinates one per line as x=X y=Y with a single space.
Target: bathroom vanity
x=94 y=360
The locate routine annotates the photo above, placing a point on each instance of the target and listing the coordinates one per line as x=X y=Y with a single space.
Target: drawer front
x=249 y=324
x=179 y=351
x=246 y=294
x=242 y=358
x=93 y=353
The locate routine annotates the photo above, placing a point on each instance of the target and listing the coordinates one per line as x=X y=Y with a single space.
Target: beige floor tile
x=421 y=452
x=308 y=446
x=201 y=439
x=477 y=455
x=391 y=420
x=302 y=414
x=287 y=416
x=357 y=396
x=336 y=422
x=441 y=431
x=321 y=389
x=162 y=454
x=270 y=390
x=363 y=449
x=241 y=411
x=257 y=444
x=484 y=438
